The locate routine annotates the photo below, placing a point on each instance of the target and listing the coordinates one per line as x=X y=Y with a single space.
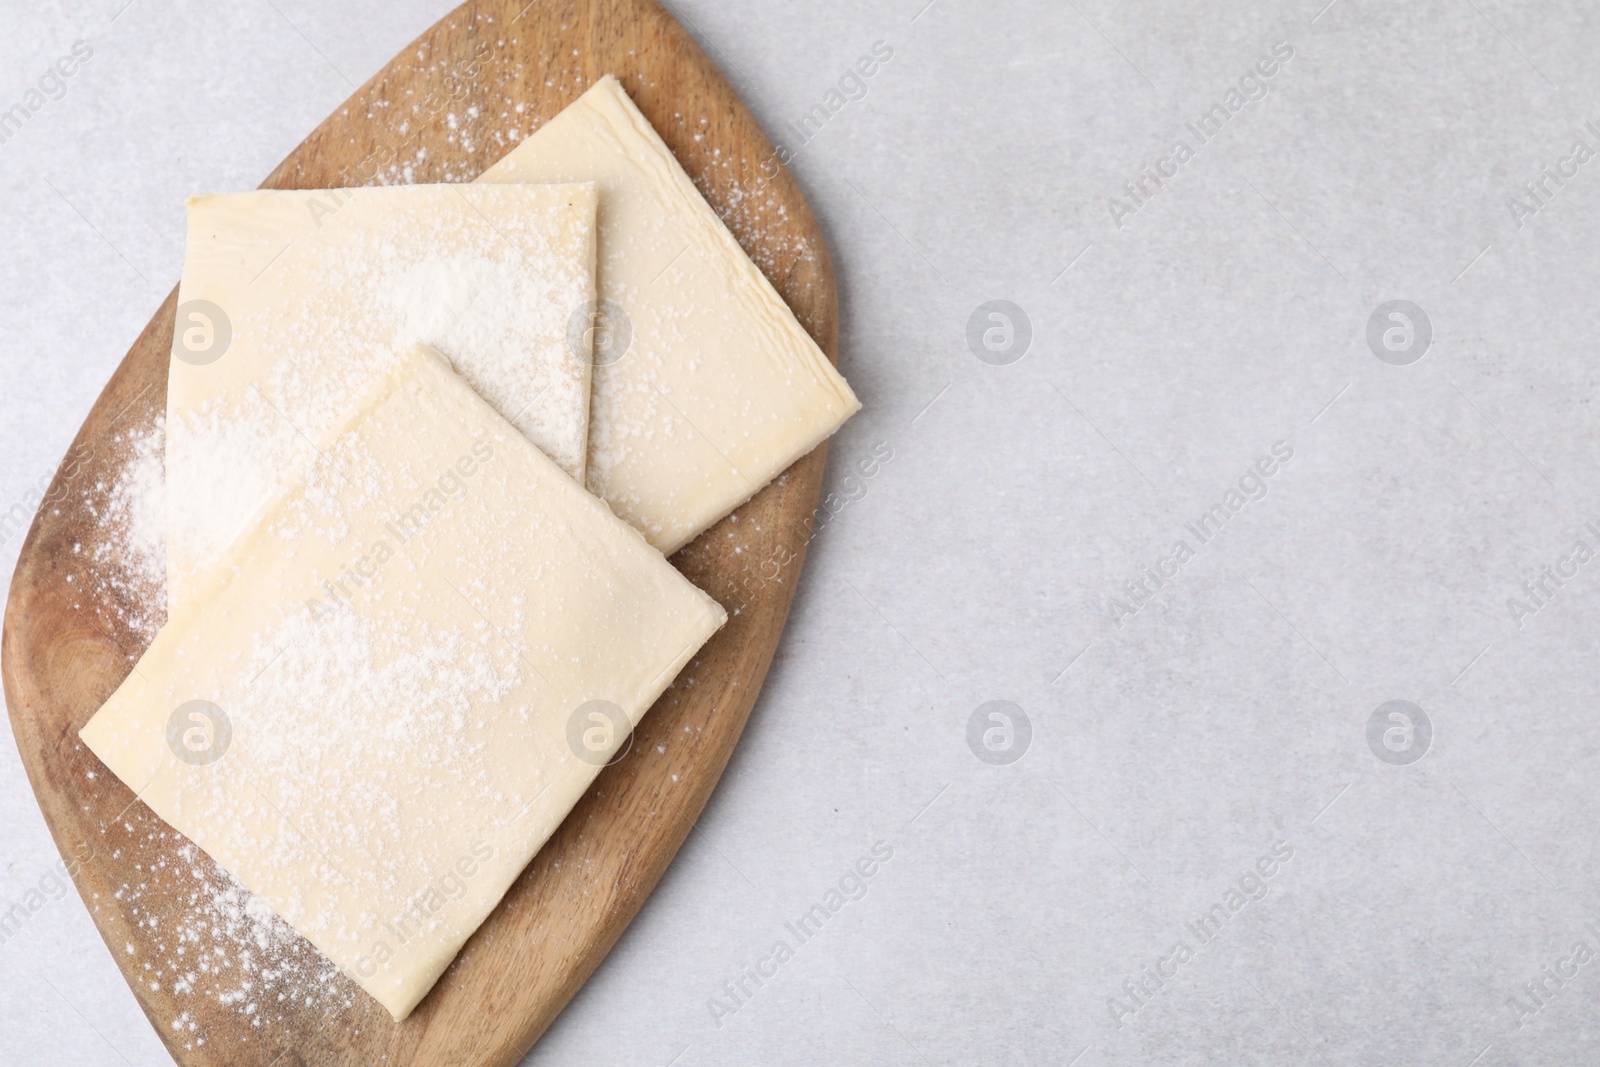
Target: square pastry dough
x=381 y=702
x=292 y=302
x=706 y=387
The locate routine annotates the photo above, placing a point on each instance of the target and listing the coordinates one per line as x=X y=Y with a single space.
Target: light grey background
x=1227 y=715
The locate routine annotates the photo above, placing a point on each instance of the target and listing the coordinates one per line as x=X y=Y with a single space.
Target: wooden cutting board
x=73 y=628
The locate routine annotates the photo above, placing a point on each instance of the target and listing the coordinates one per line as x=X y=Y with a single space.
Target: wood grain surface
x=73 y=630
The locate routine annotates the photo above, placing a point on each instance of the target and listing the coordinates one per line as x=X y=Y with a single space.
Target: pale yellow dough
x=403 y=648
x=721 y=388
x=293 y=302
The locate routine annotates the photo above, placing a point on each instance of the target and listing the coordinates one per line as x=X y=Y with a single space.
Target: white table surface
x=1226 y=716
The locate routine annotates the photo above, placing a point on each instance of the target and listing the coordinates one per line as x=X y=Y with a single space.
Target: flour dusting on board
x=226 y=951
x=125 y=570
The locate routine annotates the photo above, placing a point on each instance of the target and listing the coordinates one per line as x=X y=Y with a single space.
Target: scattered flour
x=126 y=568
x=548 y=400
x=227 y=951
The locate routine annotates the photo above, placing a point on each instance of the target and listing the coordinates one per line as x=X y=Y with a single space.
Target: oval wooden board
x=74 y=625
